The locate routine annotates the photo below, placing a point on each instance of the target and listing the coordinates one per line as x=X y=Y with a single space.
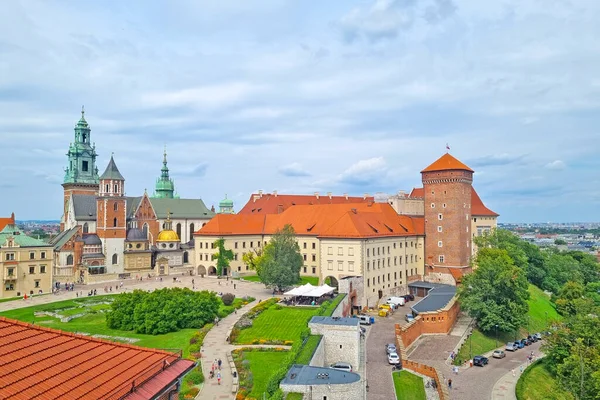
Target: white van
x=342 y=366
x=364 y=320
x=396 y=301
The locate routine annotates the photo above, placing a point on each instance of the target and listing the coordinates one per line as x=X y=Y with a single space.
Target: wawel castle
x=107 y=235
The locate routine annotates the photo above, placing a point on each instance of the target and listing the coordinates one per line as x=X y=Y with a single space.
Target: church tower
x=226 y=206
x=111 y=211
x=447 y=192
x=165 y=187
x=81 y=174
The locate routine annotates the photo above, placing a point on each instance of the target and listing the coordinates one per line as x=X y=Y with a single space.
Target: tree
x=565 y=303
x=560 y=242
x=496 y=292
x=223 y=256
x=279 y=265
x=250 y=258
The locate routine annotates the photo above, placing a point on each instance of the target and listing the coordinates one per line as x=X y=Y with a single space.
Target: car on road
x=393 y=359
x=520 y=344
x=342 y=366
x=480 y=361
x=409 y=318
x=390 y=348
x=364 y=320
x=498 y=354
x=532 y=338
x=408 y=297
x=538 y=336
x=511 y=346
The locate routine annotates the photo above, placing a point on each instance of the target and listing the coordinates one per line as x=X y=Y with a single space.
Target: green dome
x=226 y=202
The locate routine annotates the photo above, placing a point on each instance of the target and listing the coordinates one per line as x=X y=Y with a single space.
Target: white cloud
x=294 y=169
x=365 y=172
x=556 y=164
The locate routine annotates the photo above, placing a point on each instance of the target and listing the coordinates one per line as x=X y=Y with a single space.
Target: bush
x=195 y=377
x=228 y=298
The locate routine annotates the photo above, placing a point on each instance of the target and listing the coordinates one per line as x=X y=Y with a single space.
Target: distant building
x=226 y=206
x=25 y=262
x=276 y=203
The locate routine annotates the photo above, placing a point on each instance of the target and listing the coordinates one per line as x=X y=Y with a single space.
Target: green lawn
x=313 y=280
x=537 y=383
x=273 y=324
x=539 y=304
x=408 y=386
x=307 y=352
x=294 y=396
x=262 y=365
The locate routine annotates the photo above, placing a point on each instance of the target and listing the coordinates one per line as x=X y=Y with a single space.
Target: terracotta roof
x=445 y=163
x=477 y=206
x=274 y=203
x=7 y=221
x=325 y=220
x=42 y=362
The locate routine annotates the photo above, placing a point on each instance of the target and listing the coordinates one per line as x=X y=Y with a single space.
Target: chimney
x=255 y=197
x=12 y=217
x=317 y=195
x=346 y=196
x=329 y=194
x=260 y=193
x=366 y=195
x=275 y=193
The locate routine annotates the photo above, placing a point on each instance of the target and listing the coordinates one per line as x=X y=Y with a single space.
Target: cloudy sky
x=306 y=96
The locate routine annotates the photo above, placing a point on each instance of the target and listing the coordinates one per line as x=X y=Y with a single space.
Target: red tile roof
x=274 y=203
x=477 y=206
x=326 y=220
x=39 y=362
x=445 y=163
x=7 y=221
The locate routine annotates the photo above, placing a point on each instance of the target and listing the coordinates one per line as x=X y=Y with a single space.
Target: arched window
x=191 y=231
x=145 y=229
x=115 y=222
x=115 y=259
x=86 y=228
x=186 y=257
x=116 y=189
x=116 y=207
x=70 y=259
x=107 y=187
x=179 y=230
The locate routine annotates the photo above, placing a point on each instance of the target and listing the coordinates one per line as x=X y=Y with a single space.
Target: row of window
x=11 y=271
x=11 y=256
x=340 y=265
x=314 y=257
x=9 y=286
x=381 y=250
x=441 y=243
x=314 y=245
x=380 y=264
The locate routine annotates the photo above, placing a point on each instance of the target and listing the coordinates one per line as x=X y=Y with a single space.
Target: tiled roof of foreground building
x=447 y=163
x=323 y=220
x=44 y=363
x=274 y=203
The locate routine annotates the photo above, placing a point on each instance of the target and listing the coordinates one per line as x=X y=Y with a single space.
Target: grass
x=537 y=383
x=313 y=280
x=307 y=352
x=277 y=324
x=294 y=396
x=408 y=386
x=262 y=364
x=539 y=304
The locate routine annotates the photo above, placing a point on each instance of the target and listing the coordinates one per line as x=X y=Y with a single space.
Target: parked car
x=393 y=359
x=396 y=301
x=409 y=297
x=364 y=320
x=390 y=348
x=480 y=361
x=342 y=366
x=538 y=336
x=520 y=344
x=511 y=346
x=525 y=342
x=532 y=338
x=409 y=318
x=498 y=354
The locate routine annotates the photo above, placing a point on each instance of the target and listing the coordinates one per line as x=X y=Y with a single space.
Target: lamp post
x=496 y=335
x=528 y=325
x=546 y=323
x=471 y=345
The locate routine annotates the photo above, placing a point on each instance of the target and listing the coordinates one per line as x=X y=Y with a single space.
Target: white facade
x=112 y=247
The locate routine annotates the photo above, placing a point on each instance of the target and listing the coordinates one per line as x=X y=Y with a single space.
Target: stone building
x=340 y=342
x=323 y=383
x=25 y=262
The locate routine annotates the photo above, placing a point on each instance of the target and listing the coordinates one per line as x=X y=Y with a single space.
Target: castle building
x=25 y=262
x=106 y=234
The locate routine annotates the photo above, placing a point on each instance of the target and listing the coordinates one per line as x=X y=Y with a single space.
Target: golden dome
x=167 y=236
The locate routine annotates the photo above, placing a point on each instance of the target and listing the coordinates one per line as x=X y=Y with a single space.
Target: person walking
x=521 y=369
x=219 y=364
x=219 y=378
x=513 y=372
x=449 y=383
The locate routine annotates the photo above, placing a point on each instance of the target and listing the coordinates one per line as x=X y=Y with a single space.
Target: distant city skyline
x=344 y=97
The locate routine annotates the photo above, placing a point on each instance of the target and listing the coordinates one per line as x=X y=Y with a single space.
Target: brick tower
x=447 y=191
x=111 y=212
x=81 y=175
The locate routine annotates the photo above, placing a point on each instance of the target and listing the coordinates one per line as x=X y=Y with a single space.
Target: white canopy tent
x=309 y=290
x=300 y=290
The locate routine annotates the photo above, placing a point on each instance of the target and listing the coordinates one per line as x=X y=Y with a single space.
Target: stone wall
x=318 y=359
x=341 y=342
x=354 y=390
x=91 y=279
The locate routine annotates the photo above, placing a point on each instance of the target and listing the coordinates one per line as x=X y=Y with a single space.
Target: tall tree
x=496 y=292
x=250 y=259
x=279 y=265
x=223 y=256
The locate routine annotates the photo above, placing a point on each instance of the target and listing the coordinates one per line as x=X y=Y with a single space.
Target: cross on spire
x=82 y=111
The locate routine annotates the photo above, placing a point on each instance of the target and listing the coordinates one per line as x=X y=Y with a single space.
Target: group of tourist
x=216 y=366
x=69 y=287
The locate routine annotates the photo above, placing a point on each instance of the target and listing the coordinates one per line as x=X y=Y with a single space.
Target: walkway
x=504 y=389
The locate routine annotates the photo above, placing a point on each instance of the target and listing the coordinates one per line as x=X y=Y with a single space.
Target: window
x=444 y=205
x=304 y=244
x=258 y=244
x=243 y=245
x=70 y=259
x=388 y=249
x=42 y=269
x=432 y=205
x=441 y=259
x=43 y=255
x=116 y=207
x=191 y=231
x=368 y=253
x=84 y=166
x=395 y=260
x=31 y=255
x=115 y=259
x=350 y=265
x=368 y=265
x=440 y=244
x=107 y=188
x=475 y=219
x=9 y=286
x=330 y=265
x=178 y=229
x=235 y=245
x=330 y=251
x=86 y=228
x=304 y=269
x=467 y=243
x=314 y=246
x=114 y=222
x=304 y=257
x=439 y=228
x=251 y=244
x=340 y=251
x=467 y=229
x=138 y=246
x=314 y=257
x=440 y=217
x=340 y=265
x=32 y=270
x=351 y=251
x=411 y=258
x=394 y=244
x=186 y=257
x=37 y=284
x=314 y=270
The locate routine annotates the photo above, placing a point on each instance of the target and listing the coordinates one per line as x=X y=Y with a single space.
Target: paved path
x=505 y=387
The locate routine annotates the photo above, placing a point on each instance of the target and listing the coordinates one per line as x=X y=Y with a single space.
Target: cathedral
x=106 y=235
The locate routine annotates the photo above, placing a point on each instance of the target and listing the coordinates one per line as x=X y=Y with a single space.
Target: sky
x=304 y=96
